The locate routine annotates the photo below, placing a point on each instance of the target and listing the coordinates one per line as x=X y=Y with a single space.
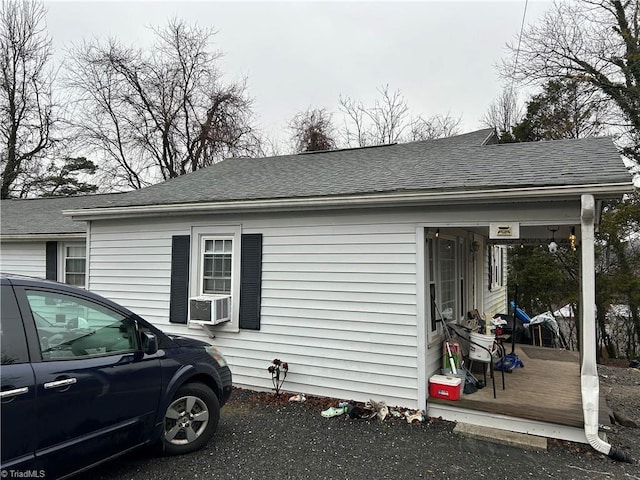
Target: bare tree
x=595 y=42
x=437 y=126
x=312 y=130
x=268 y=146
x=389 y=121
x=354 y=132
x=385 y=122
x=157 y=114
x=504 y=113
x=26 y=104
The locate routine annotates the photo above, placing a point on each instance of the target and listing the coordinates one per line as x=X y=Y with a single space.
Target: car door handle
x=60 y=383
x=13 y=393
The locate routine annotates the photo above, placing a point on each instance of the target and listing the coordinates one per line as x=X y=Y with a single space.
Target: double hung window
x=217 y=265
x=75 y=264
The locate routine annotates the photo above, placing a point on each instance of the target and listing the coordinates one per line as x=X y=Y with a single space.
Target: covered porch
x=543 y=398
x=557 y=390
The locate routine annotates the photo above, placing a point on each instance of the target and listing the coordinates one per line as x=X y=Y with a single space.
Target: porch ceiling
x=536 y=234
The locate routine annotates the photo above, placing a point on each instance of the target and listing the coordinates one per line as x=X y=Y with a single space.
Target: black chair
x=496 y=352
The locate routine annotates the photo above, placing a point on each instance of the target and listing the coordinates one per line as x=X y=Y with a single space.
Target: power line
x=515 y=63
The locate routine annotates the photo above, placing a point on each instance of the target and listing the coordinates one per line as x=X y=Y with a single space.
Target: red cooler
x=443 y=386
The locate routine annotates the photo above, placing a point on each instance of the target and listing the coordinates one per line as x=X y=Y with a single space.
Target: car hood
x=188 y=342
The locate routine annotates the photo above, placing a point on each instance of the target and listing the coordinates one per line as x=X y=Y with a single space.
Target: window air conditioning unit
x=212 y=310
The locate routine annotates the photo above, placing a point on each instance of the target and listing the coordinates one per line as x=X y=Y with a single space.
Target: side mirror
x=149 y=343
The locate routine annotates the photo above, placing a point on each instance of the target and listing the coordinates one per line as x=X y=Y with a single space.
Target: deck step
x=502 y=437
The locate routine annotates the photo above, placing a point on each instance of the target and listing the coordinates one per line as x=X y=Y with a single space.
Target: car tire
x=191 y=419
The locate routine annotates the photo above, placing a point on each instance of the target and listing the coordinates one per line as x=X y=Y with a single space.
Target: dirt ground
x=265 y=437
x=620 y=384
x=621 y=387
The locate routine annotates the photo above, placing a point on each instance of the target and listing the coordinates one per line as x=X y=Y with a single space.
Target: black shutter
x=250 y=281
x=52 y=261
x=178 y=306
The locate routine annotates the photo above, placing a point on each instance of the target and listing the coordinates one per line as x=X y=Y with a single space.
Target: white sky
x=440 y=55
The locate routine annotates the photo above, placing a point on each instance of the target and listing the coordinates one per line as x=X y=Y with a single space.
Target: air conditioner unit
x=212 y=310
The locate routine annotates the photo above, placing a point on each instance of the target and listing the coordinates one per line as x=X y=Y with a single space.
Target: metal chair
x=491 y=355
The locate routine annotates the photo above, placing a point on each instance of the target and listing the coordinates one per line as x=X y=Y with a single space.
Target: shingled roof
x=449 y=164
x=465 y=162
x=43 y=216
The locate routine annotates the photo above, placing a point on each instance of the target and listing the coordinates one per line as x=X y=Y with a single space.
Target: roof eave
x=40 y=237
x=600 y=191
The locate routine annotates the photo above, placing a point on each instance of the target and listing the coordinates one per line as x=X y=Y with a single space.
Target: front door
x=97 y=392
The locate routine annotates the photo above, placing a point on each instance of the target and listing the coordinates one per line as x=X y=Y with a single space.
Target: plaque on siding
x=506 y=230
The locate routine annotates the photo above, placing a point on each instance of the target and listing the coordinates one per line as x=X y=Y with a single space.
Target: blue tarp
x=521 y=314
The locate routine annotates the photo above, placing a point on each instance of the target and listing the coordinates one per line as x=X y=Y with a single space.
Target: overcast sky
x=440 y=55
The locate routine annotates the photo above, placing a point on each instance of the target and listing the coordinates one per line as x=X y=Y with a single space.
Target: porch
x=543 y=398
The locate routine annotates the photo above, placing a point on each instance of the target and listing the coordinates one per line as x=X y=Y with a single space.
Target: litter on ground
x=372 y=409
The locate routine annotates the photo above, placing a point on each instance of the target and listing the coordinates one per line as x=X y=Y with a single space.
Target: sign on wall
x=505 y=230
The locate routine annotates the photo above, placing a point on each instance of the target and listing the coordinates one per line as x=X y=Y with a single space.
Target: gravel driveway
x=293 y=441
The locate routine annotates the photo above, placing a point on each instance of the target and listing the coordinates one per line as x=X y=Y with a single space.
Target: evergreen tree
x=564 y=109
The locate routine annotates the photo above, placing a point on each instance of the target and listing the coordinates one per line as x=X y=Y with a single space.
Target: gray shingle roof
x=43 y=216
x=449 y=164
x=454 y=164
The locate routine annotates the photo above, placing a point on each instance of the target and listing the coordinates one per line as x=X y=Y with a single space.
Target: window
x=496 y=267
x=75 y=264
x=448 y=277
x=224 y=261
x=70 y=327
x=445 y=269
x=217 y=266
x=432 y=282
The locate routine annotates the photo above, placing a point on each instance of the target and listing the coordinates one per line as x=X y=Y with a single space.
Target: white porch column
x=589 y=372
x=588 y=330
x=421 y=318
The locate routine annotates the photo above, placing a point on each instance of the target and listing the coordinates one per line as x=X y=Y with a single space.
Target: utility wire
x=515 y=63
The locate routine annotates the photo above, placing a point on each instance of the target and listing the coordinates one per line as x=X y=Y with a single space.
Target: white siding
x=338 y=300
x=131 y=264
x=24 y=258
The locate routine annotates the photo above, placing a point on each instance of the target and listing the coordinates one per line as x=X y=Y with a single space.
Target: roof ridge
x=348 y=149
x=64 y=197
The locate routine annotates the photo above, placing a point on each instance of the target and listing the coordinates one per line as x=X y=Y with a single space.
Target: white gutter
x=351 y=201
x=589 y=372
x=39 y=237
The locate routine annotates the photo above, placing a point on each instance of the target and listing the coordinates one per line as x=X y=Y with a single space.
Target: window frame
x=199 y=234
x=496 y=267
x=204 y=253
x=454 y=280
x=433 y=278
x=63 y=262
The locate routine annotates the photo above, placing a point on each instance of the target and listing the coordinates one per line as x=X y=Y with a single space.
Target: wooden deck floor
x=546 y=389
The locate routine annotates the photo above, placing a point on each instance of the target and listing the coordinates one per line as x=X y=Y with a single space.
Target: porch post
x=589 y=372
x=421 y=319
x=588 y=329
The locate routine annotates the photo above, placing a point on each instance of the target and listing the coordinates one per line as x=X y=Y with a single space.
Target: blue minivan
x=84 y=380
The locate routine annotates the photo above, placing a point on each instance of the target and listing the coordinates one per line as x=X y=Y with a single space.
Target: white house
x=336 y=262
